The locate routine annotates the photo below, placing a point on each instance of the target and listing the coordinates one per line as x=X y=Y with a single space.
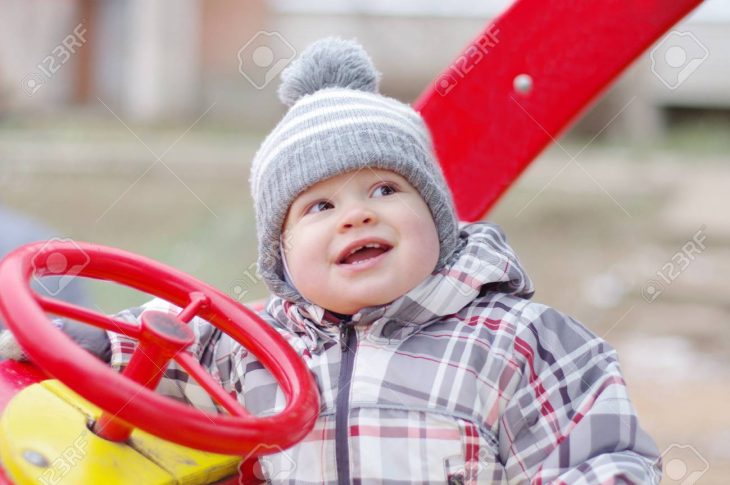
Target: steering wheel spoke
x=188 y=362
x=75 y=312
x=198 y=301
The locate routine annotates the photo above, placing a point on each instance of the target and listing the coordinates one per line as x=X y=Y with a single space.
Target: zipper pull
x=344 y=335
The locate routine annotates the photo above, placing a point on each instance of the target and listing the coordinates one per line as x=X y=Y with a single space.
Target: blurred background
x=132 y=123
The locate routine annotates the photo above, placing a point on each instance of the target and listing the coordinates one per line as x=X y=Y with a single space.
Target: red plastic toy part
x=522 y=80
x=162 y=337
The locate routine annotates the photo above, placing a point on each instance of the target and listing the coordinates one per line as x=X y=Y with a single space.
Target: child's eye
x=384 y=189
x=319 y=206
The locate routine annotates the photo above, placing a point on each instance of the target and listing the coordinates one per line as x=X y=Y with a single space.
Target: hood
x=482 y=261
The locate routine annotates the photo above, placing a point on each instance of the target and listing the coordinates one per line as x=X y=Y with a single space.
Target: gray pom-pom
x=328 y=62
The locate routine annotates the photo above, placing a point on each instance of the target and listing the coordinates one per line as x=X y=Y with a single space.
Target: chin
x=371 y=301
x=354 y=304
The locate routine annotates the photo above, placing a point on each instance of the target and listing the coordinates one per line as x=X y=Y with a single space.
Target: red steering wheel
x=128 y=399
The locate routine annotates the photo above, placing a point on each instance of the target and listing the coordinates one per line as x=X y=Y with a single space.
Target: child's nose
x=357 y=216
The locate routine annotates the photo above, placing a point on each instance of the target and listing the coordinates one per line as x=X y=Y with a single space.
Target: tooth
x=369 y=245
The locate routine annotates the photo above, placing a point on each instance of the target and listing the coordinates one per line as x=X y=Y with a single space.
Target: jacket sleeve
x=569 y=419
x=220 y=355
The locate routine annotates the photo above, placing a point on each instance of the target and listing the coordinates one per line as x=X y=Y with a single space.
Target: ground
x=596 y=234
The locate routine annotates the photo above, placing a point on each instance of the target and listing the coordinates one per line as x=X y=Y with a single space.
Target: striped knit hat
x=338 y=122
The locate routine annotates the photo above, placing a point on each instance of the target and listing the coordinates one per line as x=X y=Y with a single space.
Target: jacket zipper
x=348 y=344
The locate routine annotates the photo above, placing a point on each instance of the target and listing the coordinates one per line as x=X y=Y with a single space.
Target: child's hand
x=92 y=339
x=9 y=347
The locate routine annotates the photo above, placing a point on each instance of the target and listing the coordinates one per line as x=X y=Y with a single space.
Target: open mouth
x=362 y=252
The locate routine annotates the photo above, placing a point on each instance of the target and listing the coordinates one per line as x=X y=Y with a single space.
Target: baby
x=432 y=363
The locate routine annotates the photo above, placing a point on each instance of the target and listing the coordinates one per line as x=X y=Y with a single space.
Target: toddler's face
x=359 y=239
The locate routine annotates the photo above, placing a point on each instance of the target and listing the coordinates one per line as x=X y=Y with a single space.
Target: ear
x=285 y=240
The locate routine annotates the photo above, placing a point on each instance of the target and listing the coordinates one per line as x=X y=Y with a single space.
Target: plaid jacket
x=462 y=380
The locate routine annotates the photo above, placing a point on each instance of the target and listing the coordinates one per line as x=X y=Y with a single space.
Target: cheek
x=305 y=254
x=431 y=246
x=425 y=225
x=424 y=239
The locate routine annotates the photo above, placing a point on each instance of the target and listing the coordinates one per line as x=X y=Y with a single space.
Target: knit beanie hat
x=338 y=122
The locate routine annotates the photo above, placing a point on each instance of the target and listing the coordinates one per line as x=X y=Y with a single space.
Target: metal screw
x=523 y=83
x=35 y=458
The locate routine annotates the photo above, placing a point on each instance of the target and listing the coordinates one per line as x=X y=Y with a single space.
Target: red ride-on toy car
x=514 y=88
x=80 y=428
